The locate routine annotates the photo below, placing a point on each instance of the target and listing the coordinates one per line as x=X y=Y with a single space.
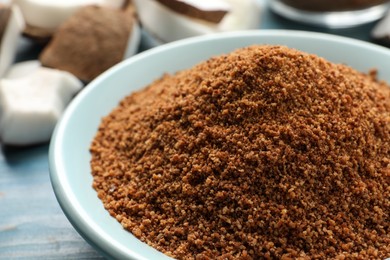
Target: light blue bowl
x=69 y=150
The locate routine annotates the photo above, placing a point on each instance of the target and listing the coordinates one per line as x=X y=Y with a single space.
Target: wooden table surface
x=32 y=224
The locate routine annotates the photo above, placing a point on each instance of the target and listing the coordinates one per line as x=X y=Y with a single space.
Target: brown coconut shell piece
x=182 y=7
x=89 y=42
x=43 y=36
x=39 y=35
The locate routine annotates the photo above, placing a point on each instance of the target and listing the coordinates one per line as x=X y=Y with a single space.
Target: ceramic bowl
x=69 y=149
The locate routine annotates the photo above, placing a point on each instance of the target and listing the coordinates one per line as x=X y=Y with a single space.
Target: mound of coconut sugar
x=266 y=152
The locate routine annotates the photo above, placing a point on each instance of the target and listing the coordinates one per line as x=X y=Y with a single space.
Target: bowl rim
x=62 y=188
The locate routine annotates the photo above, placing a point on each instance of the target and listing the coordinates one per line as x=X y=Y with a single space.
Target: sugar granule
x=265 y=152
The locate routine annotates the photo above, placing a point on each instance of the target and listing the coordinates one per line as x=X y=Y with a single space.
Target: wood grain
x=32 y=224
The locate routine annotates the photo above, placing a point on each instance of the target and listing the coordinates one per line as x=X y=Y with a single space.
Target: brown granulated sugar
x=263 y=153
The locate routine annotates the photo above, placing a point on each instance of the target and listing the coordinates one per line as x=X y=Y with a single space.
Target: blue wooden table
x=32 y=224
